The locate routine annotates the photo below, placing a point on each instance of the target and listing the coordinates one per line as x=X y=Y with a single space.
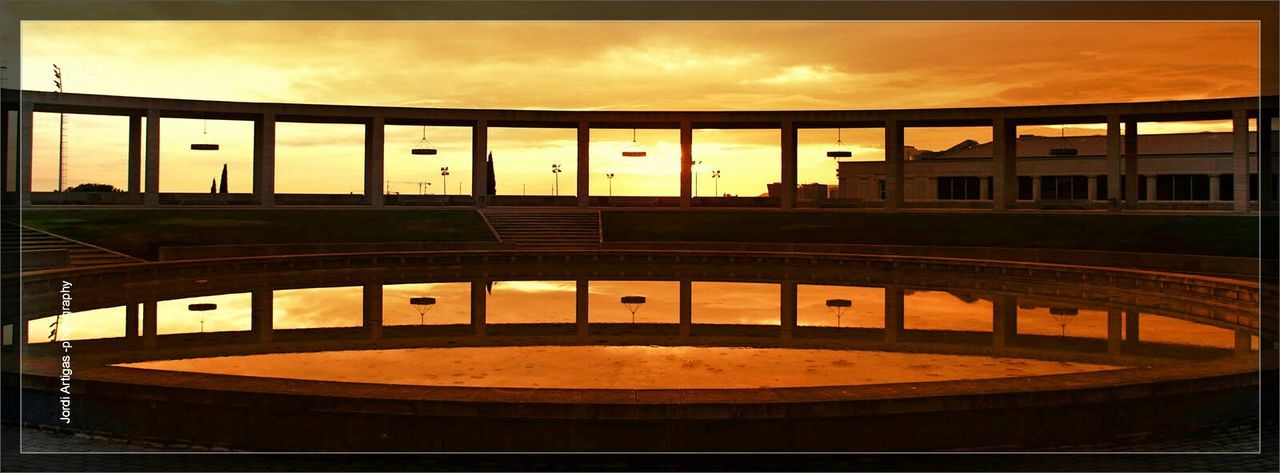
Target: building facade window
x=1025 y=188
x=1227 y=187
x=959 y=188
x=880 y=188
x=1182 y=187
x=1064 y=187
x=1103 y=192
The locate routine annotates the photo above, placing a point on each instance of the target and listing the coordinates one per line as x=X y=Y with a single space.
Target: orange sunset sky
x=598 y=66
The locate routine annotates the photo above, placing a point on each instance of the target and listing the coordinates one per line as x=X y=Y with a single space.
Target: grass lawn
x=141 y=232
x=1217 y=235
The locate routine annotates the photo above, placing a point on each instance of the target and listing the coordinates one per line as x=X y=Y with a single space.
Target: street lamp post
x=610 y=177
x=555 y=169
x=716 y=175
x=444 y=174
x=695 y=166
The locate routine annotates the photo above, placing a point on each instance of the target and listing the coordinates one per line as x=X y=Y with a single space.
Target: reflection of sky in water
x=621 y=367
x=662 y=302
x=736 y=303
x=867 y=309
x=937 y=310
x=554 y=302
x=98 y=323
x=453 y=304
x=319 y=307
x=234 y=313
x=532 y=302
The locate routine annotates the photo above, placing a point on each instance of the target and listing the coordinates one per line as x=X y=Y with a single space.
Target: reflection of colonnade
x=1123 y=326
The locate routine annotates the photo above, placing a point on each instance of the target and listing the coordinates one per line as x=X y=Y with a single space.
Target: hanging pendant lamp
x=206 y=146
x=635 y=151
x=424 y=146
x=840 y=151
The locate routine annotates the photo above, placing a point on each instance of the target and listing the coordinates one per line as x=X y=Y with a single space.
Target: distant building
x=805 y=192
x=1172 y=167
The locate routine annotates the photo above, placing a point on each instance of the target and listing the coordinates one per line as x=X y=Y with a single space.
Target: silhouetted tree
x=222 y=188
x=94 y=187
x=213 y=187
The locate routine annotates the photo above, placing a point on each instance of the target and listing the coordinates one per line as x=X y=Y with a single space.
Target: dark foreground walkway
x=151 y=457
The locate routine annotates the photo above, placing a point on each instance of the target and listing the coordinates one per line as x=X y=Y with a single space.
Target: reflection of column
x=262 y=314
x=374 y=161
x=1004 y=175
x=479 y=167
x=790 y=177
x=1240 y=158
x=1004 y=320
x=373 y=310
x=1114 y=330
x=686 y=307
x=1215 y=187
x=582 y=306
x=1037 y=183
x=686 y=164
x=1093 y=188
x=893 y=165
x=1151 y=187
x=788 y=312
x=1131 y=327
x=264 y=159
x=984 y=193
x=479 y=305
x=894 y=306
x=584 y=164
x=135 y=155
x=1244 y=342
x=149 y=324
x=1114 y=146
x=151 y=190
x=131 y=321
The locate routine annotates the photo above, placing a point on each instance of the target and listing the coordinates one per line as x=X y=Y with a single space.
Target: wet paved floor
x=1240 y=437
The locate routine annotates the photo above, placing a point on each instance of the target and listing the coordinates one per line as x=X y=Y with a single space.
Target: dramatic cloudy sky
x=583 y=66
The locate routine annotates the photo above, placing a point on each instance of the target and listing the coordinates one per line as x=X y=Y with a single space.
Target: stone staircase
x=40 y=250
x=544 y=228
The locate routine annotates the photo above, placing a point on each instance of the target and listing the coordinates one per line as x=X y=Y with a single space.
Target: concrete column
x=894 y=168
x=6 y=139
x=582 y=294
x=894 y=313
x=788 y=314
x=131 y=321
x=262 y=314
x=1093 y=188
x=373 y=310
x=1215 y=187
x=1240 y=158
x=1244 y=342
x=686 y=164
x=26 y=115
x=1004 y=320
x=374 y=161
x=479 y=168
x=584 y=164
x=790 y=166
x=149 y=325
x=1114 y=331
x=1131 y=328
x=1151 y=187
x=1036 y=183
x=1004 y=163
x=479 y=306
x=931 y=189
x=686 y=307
x=1131 y=163
x=264 y=159
x=135 y=155
x=1266 y=158
x=1114 y=146
x=983 y=193
x=151 y=196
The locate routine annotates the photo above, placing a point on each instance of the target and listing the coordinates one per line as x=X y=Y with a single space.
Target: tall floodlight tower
x=62 y=134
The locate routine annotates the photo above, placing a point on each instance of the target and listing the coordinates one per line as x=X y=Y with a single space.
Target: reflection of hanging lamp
x=841 y=151
x=635 y=151
x=838 y=307
x=206 y=146
x=424 y=146
x=202 y=307
x=423 y=304
x=1064 y=315
x=633 y=303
